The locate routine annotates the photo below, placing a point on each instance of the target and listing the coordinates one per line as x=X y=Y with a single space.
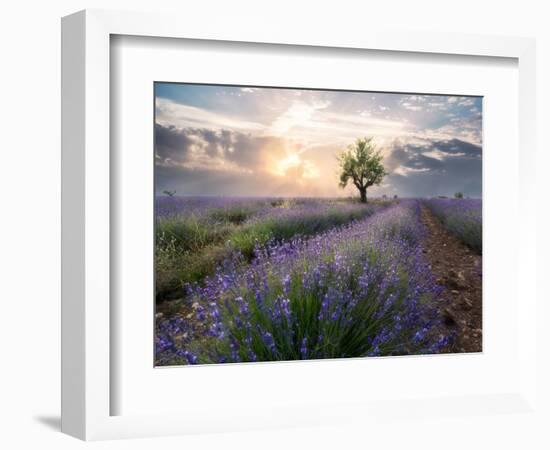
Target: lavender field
x=272 y=279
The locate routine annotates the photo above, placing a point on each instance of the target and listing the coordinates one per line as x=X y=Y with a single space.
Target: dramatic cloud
x=433 y=168
x=218 y=140
x=175 y=114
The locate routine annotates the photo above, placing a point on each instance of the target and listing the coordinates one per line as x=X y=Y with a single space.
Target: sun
x=292 y=161
x=294 y=165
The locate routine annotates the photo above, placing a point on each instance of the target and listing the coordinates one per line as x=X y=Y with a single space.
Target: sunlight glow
x=294 y=165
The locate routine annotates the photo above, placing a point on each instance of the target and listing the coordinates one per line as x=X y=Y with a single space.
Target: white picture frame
x=86 y=220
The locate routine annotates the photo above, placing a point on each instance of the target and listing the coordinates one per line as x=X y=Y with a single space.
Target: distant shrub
x=459 y=195
x=236 y=215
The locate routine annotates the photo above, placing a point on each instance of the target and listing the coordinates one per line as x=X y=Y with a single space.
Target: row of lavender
x=462 y=217
x=218 y=207
x=194 y=234
x=362 y=289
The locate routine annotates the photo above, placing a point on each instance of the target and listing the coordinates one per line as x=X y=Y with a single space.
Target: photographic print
x=303 y=224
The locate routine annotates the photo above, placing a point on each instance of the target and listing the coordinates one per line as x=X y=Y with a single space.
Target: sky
x=248 y=141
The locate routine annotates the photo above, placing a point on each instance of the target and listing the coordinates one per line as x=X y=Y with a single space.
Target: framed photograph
x=268 y=229
x=273 y=251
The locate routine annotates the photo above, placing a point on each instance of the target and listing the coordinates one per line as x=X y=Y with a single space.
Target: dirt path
x=458 y=270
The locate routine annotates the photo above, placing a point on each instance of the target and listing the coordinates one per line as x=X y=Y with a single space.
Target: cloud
x=197 y=148
x=438 y=105
x=411 y=107
x=297 y=115
x=466 y=101
x=204 y=181
x=466 y=130
x=410 y=156
x=457 y=147
x=406 y=171
x=413 y=103
x=171 y=145
x=432 y=167
x=225 y=162
x=214 y=151
x=176 y=114
x=418 y=98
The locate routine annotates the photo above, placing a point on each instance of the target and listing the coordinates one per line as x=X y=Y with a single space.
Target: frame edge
x=73 y=359
x=84 y=38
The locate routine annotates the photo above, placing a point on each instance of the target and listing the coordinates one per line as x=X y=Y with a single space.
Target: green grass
x=190 y=233
x=235 y=215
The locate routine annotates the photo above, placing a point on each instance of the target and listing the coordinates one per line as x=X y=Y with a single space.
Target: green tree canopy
x=361 y=164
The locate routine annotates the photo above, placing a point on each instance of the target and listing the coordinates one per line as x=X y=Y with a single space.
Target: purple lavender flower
x=267 y=337
x=360 y=289
x=303 y=348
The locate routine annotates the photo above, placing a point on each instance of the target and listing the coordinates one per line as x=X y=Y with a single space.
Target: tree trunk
x=363 y=193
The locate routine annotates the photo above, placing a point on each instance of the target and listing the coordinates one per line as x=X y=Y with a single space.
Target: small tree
x=459 y=195
x=362 y=164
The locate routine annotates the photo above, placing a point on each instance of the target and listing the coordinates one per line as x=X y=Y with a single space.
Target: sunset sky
x=242 y=141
